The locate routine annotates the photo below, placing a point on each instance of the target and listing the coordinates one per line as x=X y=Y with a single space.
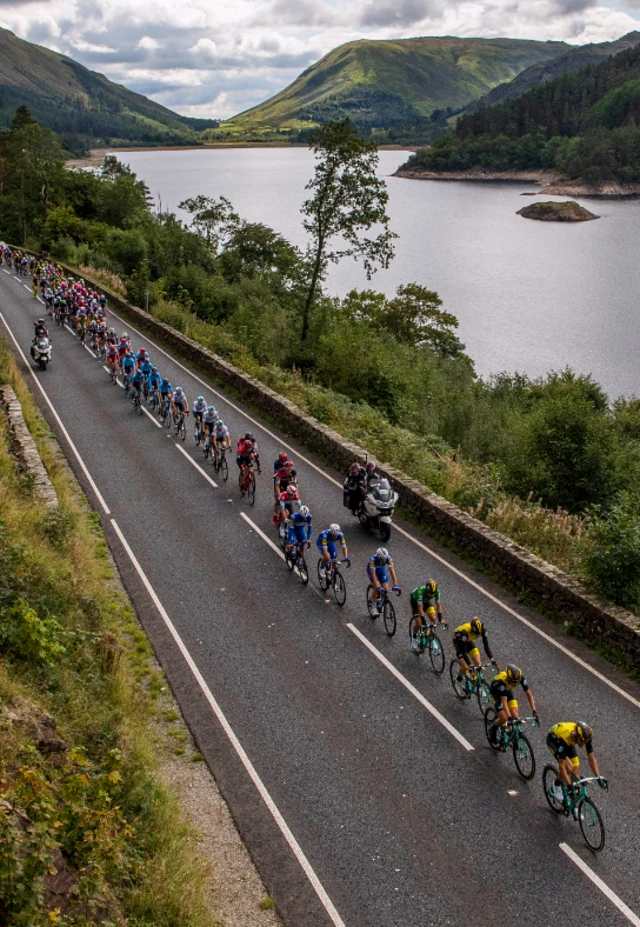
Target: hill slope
x=382 y=85
x=84 y=107
x=586 y=125
x=543 y=71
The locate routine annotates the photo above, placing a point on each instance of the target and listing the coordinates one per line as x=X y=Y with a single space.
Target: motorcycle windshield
x=382 y=491
x=43 y=345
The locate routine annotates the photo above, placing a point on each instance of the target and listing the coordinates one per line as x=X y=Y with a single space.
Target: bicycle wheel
x=489 y=718
x=303 y=570
x=290 y=560
x=339 y=588
x=591 y=825
x=224 y=468
x=549 y=776
x=196 y=436
x=167 y=420
x=459 y=686
x=372 y=613
x=436 y=654
x=182 y=430
x=523 y=757
x=322 y=576
x=419 y=638
x=483 y=695
x=251 y=492
x=389 y=617
x=282 y=535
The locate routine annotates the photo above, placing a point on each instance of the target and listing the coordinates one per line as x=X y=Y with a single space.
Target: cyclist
x=137 y=382
x=245 y=457
x=124 y=345
x=504 y=701
x=166 y=395
x=326 y=544
x=280 y=461
x=179 y=404
x=199 y=408
x=289 y=499
x=112 y=338
x=282 y=477
x=128 y=365
x=425 y=603
x=299 y=528
x=464 y=644
x=256 y=454
x=220 y=436
x=562 y=740
x=378 y=576
x=112 y=360
x=209 y=420
x=154 y=382
x=141 y=357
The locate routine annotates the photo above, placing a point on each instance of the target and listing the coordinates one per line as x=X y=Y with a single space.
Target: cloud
x=217 y=58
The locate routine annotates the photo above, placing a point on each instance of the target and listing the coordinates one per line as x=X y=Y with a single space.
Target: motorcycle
x=41 y=352
x=376 y=509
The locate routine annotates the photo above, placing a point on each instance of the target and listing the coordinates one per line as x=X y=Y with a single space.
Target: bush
x=27 y=636
x=612 y=561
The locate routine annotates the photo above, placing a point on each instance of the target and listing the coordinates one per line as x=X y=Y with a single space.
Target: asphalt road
x=365 y=792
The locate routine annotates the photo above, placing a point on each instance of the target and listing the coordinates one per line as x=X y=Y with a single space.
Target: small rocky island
x=570 y=211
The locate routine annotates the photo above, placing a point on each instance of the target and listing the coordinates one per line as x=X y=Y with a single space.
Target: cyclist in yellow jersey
x=504 y=700
x=562 y=740
x=464 y=643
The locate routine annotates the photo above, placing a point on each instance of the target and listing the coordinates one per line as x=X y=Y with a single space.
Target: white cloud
x=217 y=58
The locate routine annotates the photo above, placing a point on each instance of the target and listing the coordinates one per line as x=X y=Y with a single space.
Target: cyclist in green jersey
x=425 y=604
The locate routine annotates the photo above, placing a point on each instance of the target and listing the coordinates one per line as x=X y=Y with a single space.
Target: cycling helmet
x=282 y=457
x=382 y=553
x=431 y=586
x=179 y=391
x=40 y=321
x=123 y=335
x=288 y=465
x=201 y=399
x=165 y=382
x=334 y=528
x=371 y=467
x=514 y=674
x=584 y=733
x=291 y=490
x=249 y=436
x=304 y=511
x=248 y=445
x=219 y=423
x=154 y=370
x=210 y=409
x=476 y=626
x=142 y=351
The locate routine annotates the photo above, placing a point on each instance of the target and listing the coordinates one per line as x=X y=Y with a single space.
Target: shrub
x=612 y=561
x=27 y=636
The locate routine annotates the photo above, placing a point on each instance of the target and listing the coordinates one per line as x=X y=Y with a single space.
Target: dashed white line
x=6 y=271
x=412 y=689
x=152 y=417
x=59 y=421
x=246 y=762
x=532 y=627
x=27 y=287
x=274 y=547
x=604 y=888
x=191 y=460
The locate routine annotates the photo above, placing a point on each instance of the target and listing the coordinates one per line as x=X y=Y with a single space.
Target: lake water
x=530 y=296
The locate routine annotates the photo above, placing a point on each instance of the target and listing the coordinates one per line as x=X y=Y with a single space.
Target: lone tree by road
x=347 y=201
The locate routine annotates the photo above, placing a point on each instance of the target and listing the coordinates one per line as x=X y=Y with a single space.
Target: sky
x=215 y=58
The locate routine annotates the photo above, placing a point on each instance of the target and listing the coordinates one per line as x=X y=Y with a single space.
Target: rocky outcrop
x=550 y=211
x=25 y=448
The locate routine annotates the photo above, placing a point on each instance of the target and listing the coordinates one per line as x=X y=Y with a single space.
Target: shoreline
x=550 y=184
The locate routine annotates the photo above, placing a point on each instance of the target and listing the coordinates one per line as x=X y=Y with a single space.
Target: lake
x=530 y=296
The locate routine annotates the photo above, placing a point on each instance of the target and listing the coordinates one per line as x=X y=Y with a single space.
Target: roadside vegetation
x=88 y=832
x=552 y=462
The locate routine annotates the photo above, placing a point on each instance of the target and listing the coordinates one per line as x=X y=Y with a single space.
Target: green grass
x=152 y=873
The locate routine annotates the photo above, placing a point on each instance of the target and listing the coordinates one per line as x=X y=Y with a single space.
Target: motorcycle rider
x=355 y=487
x=40 y=331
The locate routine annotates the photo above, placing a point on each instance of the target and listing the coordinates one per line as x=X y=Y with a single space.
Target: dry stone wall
x=25 y=448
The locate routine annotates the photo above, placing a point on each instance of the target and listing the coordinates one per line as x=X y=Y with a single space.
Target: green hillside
x=543 y=71
x=389 y=88
x=83 y=107
x=586 y=125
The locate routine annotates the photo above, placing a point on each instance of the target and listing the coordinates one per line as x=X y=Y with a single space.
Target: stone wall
x=590 y=617
x=25 y=448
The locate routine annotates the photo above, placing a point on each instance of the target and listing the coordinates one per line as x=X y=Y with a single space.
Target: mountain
x=83 y=107
x=543 y=71
x=584 y=125
x=384 y=86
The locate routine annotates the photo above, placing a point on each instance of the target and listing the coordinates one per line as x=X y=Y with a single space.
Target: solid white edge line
x=412 y=689
x=604 y=888
x=246 y=762
x=146 y=412
x=191 y=460
x=59 y=421
x=449 y=566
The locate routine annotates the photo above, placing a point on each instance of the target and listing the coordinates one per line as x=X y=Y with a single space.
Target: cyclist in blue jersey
x=154 y=381
x=128 y=365
x=377 y=568
x=280 y=462
x=145 y=367
x=299 y=528
x=137 y=382
x=326 y=544
x=166 y=395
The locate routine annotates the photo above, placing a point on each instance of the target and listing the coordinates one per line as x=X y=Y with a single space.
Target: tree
x=348 y=200
x=213 y=220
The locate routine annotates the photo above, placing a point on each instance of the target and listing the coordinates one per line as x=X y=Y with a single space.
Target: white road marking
x=412 y=689
x=246 y=762
x=59 y=421
x=532 y=627
x=264 y=537
x=190 y=459
x=152 y=417
x=604 y=888
x=27 y=287
x=6 y=271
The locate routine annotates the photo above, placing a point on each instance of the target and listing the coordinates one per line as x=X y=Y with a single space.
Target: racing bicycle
x=387 y=610
x=474 y=683
x=429 y=640
x=577 y=804
x=511 y=735
x=329 y=575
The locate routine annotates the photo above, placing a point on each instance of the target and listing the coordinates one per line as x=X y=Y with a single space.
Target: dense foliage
x=583 y=124
x=557 y=439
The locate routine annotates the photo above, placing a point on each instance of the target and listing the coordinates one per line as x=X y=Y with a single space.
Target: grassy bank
x=88 y=832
